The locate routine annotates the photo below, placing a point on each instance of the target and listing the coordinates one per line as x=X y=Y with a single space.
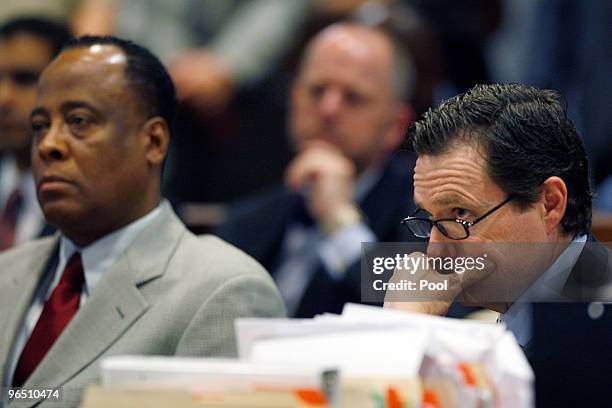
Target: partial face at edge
x=23 y=57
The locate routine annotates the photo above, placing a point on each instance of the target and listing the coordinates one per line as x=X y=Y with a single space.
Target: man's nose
x=437 y=243
x=52 y=145
x=331 y=103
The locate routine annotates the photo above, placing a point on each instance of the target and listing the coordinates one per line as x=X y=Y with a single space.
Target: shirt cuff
x=341 y=249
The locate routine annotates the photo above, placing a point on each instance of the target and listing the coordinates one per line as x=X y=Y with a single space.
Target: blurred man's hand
x=325 y=177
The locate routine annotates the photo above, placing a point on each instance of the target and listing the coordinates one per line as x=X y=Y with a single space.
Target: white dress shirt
x=97 y=259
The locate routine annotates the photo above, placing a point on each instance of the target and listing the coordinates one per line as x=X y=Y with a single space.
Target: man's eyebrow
x=68 y=105
x=38 y=111
x=448 y=200
x=443 y=201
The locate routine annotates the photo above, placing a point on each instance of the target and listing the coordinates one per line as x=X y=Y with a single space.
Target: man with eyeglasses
x=26 y=47
x=502 y=168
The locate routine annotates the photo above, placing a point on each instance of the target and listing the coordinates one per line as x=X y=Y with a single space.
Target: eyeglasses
x=452 y=228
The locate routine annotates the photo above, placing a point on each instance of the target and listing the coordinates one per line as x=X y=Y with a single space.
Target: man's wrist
x=343 y=217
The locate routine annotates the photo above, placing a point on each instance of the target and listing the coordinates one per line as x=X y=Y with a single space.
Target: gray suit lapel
x=149 y=255
x=114 y=305
x=19 y=288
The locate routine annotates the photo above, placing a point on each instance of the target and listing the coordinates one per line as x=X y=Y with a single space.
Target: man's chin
x=62 y=212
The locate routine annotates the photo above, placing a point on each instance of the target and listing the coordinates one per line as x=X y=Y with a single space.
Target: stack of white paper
x=213 y=375
x=374 y=342
x=367 y=357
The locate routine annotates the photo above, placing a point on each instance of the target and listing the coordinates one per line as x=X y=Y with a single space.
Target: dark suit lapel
x=390 y=199
x=278 y=214
x=258 y=225
x=114 y=305
x=384 y=206
x=528 y=349
x=592 y=273
x=47 y=230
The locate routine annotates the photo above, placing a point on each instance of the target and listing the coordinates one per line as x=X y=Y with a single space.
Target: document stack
x=367 y=357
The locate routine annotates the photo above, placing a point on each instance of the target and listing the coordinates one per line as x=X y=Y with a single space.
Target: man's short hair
x=55 y=34
x=145 y=73
x=526 y=136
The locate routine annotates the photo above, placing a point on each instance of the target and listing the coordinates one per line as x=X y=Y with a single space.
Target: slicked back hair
x=526 y=136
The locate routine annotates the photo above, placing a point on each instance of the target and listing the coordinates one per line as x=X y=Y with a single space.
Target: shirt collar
x=549 y=285
x=99 y=256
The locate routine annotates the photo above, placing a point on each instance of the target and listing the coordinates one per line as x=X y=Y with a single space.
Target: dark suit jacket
x=571 y=352
x=258 y=226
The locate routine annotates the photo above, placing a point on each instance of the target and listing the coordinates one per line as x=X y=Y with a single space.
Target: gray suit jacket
x=171 y=293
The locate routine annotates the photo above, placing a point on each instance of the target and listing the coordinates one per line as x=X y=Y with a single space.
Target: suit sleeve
x=211 y=332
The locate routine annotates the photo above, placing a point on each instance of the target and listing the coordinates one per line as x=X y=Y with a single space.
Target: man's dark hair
x=147 y=76
x=54 y=33
x=526 y=136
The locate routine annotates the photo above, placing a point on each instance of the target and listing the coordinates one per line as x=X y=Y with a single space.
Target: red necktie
x=57 y=313
x=8 y=221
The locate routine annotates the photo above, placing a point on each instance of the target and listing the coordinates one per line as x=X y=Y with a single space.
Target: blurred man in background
x=347 y=118
x=26 y=47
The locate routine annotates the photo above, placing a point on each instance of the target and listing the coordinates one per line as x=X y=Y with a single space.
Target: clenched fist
x=326 y=178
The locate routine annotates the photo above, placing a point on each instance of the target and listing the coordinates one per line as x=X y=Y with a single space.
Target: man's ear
x=157 y=139
x=554 y=196
x=402 y=118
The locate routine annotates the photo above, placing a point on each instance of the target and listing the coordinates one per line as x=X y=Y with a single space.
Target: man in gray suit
x=123 y=276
